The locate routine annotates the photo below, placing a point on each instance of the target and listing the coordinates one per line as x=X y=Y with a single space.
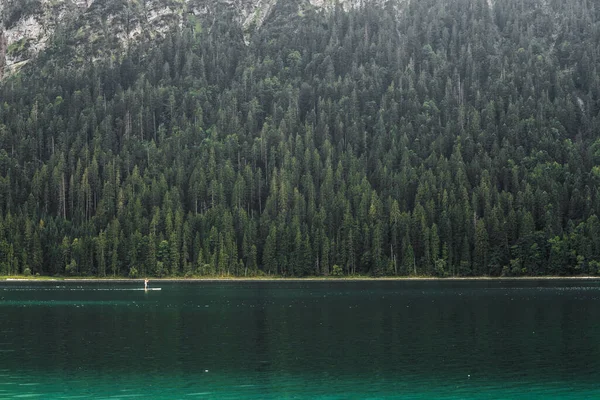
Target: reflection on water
x=447 y=340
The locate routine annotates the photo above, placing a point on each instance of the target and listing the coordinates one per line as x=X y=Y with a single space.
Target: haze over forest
x=429 y=138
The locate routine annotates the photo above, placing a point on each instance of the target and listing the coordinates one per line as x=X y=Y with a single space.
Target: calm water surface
x=301 y=340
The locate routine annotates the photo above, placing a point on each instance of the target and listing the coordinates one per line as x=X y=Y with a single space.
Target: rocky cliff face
x=3 y=45
x=26 y=26
x=3 y=42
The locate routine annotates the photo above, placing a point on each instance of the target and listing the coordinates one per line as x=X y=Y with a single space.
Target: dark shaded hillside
x=453 y=139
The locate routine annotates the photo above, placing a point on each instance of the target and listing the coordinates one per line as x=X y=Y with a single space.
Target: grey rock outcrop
x=26 y=26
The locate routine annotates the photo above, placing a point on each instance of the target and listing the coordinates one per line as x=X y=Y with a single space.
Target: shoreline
x=283 y=279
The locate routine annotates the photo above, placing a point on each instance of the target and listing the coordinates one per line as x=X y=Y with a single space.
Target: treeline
x=453 y=138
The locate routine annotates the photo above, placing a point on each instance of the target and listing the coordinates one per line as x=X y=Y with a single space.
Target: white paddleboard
x=152 y=288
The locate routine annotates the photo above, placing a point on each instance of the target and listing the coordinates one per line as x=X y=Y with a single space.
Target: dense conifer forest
x=455 y=138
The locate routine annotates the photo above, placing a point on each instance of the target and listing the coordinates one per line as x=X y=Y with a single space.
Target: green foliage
x=336 y=270
x=448 y=140
x=440 y=267
x=17 y=9
x=71 y=268
x=594 y=267
x=17 y=48
x=133 y=272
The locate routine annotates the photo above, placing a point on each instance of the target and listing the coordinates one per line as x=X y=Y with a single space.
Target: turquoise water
x=301 y=340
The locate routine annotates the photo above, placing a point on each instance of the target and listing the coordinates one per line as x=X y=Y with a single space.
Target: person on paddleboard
x=145 y=284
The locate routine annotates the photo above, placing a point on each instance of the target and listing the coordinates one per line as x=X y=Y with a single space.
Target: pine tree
x=480 y=255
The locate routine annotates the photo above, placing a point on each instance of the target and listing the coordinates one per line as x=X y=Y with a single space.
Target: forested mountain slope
x=431 y=137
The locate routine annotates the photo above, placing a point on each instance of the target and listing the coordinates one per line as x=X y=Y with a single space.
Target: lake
x=301 y=340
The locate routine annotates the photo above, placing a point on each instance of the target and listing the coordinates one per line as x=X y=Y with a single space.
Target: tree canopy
x=450 y=138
